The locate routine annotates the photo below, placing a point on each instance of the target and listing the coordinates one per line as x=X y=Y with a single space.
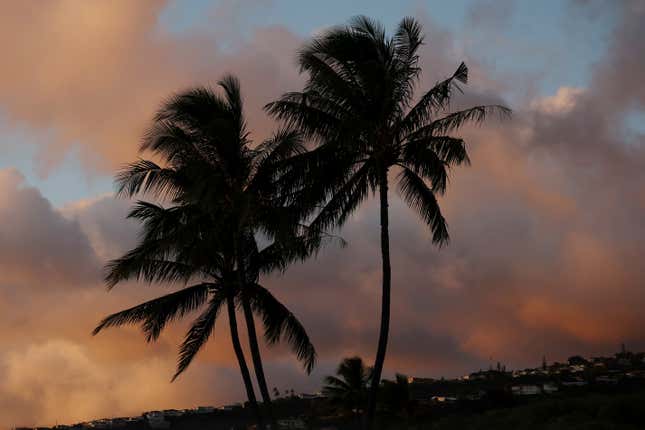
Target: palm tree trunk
x=257 y=360
x=253 y=338
x=385 y=303
x=244 y=370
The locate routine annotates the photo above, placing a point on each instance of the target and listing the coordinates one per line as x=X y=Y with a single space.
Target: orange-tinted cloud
x=92 y=73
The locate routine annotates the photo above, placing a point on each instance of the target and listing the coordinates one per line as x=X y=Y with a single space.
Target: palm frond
x=147 y=177
x=155 y=314
x=451 y=150
x=199 y=332
x=231 y=86
x=191 y=110
x=288 y=249
x=279 y=322
x=455 y=120
x=271 y=158
x=407 y=39
x=170 y=248
x=309 y=113
x=177 y=144
x=334 y=385
x=433 y=101
x=136 y=266
x=345 y=200
x=427 y=164
x=405 y=69
x=421 y=198
x=233 y=94
x=330 y=78
x=366 y=25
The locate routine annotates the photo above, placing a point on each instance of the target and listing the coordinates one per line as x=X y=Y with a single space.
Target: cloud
x=490 y=15
x=62 y=381
x=38 y=246
x=103 y=220
x=92 y=73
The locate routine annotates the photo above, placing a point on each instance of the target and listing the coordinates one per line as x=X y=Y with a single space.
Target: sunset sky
x=548 y=238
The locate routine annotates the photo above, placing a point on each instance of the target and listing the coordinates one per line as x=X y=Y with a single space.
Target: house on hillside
x=204 y=409
x=525 y=390
x=292 y=423
x=156 y=420
x=549 y=388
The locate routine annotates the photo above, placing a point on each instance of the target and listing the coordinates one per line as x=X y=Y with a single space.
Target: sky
x=546 y=225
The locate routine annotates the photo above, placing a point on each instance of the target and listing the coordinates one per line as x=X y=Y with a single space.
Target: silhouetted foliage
x=348 y=389
x=358 y=105
x=396 y=398
x=222 y=196
x=592 y=411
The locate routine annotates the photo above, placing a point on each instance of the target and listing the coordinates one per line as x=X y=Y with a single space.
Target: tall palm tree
x=358 y=107
x=222 y=195
x=349 y=388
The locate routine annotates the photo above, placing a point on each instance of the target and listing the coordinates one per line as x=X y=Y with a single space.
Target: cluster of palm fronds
x=226 y=212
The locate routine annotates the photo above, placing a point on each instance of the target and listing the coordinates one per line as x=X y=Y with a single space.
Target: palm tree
x=222 y=194
x=349 y=388
x=396 y=396
x=357 y=106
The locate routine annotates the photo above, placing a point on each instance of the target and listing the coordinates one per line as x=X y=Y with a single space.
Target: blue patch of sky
x=550 y=40
x=67 y=182
x=301 y=17
x=544 y=39
x=572 y=41
x=635 y=122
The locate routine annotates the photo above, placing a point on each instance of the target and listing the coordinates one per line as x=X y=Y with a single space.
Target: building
x=606 y=380
x=443 y=399
x=549 y=388
x=313 y=396
x=157 y=420
x=291 y=423
x=578 y=382
x=208 y=409
x=526 y=390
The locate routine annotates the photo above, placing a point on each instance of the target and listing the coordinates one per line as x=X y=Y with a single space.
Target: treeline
x=587 y=412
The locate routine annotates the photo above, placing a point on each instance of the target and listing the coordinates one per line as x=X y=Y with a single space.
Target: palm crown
x=358 y=105
x=349 y=387
x=223 y=197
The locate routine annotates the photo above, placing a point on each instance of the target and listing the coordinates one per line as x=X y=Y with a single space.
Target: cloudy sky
x=547 y=228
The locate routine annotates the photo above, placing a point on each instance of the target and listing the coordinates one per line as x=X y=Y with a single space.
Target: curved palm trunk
x=385 y=303
x=244 y=370
x=257 y=360
x=253 y=338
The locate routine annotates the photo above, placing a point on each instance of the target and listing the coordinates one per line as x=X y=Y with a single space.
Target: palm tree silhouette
x=349 y=388
x=396 y=396
x=222 y=194
x=357 y=105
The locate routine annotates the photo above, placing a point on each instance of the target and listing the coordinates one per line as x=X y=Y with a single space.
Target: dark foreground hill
x=591 y=411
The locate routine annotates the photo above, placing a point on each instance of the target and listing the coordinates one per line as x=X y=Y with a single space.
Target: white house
x=549 y=388
x=291 y=423
x=525 y=390
x=157 y=420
